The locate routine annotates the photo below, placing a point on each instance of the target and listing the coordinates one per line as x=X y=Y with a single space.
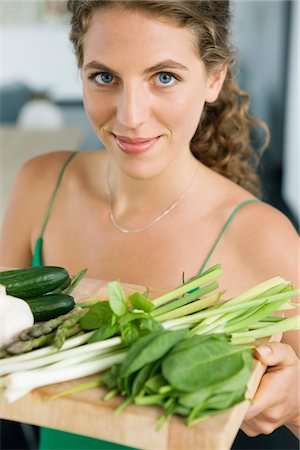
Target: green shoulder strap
x=37 y=259
x=228 y=222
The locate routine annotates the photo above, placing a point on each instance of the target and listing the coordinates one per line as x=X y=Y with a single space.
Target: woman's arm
x=27 y=207
x=276 y=252
x=15 y=240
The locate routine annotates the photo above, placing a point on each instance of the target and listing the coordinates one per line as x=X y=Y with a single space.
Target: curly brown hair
x=223 y=139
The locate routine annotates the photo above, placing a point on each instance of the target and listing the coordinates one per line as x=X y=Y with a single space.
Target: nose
x=133 y=107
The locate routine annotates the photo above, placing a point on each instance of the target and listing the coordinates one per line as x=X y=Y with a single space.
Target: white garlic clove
x=15 y=316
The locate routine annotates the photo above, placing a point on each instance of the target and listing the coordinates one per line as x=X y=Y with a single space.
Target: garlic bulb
x=15 y=316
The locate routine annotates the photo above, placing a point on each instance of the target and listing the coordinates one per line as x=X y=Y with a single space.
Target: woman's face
x=144 y=88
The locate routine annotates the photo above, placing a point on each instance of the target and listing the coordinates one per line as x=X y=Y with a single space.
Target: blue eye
x=166 y=78
x=104 y=78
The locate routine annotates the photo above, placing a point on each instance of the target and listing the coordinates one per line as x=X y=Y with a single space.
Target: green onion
x=291 y=323
x=206 y=277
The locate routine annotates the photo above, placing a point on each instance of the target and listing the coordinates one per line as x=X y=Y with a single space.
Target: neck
x=149 y=194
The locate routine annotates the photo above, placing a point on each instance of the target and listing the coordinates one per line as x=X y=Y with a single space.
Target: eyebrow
x=163 y=65
x=166 y=64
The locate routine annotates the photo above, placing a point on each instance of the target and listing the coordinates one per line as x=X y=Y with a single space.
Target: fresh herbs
x=126 y=316
x=194 y=377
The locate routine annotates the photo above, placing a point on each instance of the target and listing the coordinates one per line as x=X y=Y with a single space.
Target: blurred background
x=41 y=107
x=40 y=90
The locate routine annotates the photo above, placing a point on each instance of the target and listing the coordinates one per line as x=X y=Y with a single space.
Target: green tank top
x=59 y=440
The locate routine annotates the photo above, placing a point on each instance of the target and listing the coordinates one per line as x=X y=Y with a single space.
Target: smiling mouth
x=135 y=145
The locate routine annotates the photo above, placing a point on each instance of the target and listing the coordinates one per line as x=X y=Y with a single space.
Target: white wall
x=291 y=183
x=42 y=57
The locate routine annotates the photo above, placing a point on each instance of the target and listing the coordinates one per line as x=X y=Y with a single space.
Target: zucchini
x=50 y=306
x=34 y=281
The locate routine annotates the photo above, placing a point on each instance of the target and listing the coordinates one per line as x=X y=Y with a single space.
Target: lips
x=136 y=145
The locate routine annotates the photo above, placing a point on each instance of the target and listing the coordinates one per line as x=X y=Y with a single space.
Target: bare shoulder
x=47 y=164
x=43 y=170
x=264 y=222
x=32 y=188
x=268 y=239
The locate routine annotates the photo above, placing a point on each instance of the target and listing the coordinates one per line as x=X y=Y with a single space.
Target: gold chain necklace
x=156 y=219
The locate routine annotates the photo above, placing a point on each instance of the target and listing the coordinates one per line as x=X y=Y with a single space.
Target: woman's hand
x=276 y=401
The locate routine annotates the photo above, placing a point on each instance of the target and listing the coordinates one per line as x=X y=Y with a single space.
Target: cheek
x=96 y=108
x=185 y=115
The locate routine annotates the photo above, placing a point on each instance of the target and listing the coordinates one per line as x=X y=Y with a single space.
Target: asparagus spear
x=18 y=347
x=47 y=327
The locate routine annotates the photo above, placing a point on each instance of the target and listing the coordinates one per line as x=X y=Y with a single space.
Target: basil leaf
x=138 y=301
x=130 y=316
x=129 y=333
x=150 y=324
x=99 y=315
x=117 y=299
x=105 y=332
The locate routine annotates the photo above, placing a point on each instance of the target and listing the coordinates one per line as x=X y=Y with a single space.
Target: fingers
x=267 y=396
x=253 y=427
x=275 y=402
x=276 y=354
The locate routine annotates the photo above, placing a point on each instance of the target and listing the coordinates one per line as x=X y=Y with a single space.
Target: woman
x=174 y=188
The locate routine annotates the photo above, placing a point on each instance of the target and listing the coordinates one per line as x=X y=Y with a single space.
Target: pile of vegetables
x=189 y=350
x=43 y=288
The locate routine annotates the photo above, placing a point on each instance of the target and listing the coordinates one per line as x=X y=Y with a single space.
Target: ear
x=214 y=85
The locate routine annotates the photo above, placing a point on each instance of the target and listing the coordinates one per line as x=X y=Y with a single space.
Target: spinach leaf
x=111 y=376
x=117 y=299
x=233 y=383
x=195 y=341
x=136 y=349
x=224 y=400
x=215 y=404
x=154 y=383
x=149 y=348
x=201 y=365
x=140 y=379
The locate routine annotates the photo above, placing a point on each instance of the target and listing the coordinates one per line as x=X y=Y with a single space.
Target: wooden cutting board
x=85 y=413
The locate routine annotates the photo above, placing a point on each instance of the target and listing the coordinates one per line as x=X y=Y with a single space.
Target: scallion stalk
x=185 y=300
x=206 y=277
x=228 y=307
x=288 y=324
x=63 y=355
x=185 y=310
x=31 y=379
x=262 y=289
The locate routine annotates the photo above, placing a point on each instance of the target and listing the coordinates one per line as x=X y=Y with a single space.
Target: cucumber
x=34 y=281
x=61 y=288
x=50 y=306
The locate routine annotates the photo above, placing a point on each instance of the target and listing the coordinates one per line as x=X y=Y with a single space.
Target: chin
x=140 y=169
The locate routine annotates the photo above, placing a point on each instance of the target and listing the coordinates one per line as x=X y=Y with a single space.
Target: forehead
x=115 y=32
